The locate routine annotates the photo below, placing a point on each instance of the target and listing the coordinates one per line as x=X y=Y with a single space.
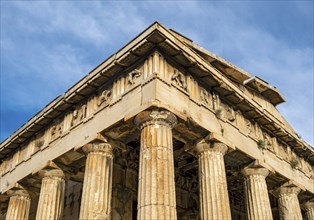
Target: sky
x=47 y=46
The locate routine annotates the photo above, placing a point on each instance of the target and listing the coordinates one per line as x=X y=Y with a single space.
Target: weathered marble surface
x=156 y=192
x=97 y=185
x=288 y=202
x=214 y=199
x=256 y=193
x=19 y=204
x=50 y=204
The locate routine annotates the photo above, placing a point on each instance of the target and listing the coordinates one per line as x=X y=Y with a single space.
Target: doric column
x=288 y=203
x=50 y=204
x=19 y=204
x=256 y=194
x=309 y=210
x=156 y=190
x=97 y=185
x=214 y=199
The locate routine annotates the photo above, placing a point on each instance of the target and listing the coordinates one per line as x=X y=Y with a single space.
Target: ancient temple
x=162 y=129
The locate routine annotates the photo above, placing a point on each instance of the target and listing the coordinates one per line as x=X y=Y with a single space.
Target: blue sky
x=48 y=46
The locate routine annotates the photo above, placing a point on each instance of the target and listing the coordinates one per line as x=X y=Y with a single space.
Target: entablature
x=154 y=81
x=119 y=73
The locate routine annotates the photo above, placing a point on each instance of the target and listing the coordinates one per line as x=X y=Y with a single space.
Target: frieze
x=285 y=153
x=230 y=114
x=258 y=133
x=306 y=168
x=206 y=98
x=252 y=129
x=78 y=114
x=156 y=64
x=226 y=113
x=56 y=129
x=193 y=90
x=67 y=120
x=119 y=87
x=34 y=145
x=275 y=145
x=40 y=140
x=32 y=148
x=244 y=124
x=216 y=102
x=24 y=153
x=104 y=98
x=282 y=152
x=133 y=75
x=295 y=161
x=3 y=167
x=179 y=79
x=249 y=126
x=269 y=143
x=91 y=105
x=14 y=160
x=47 y=138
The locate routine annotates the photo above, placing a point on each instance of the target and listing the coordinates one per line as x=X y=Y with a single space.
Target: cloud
x=49 y=46
x=283 y=61
x=57 y=41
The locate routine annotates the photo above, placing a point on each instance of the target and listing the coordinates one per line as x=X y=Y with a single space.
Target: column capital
x=104 y=147
x=18 y=192
x=249 y=171
x=156 y=184
x=286 y=190
x=51 y=173
x=214 y=198
x=155 y=117
x=256 y=193
x=308 y=205
x=97 y=184
x=204 y=145
x=50 y=203
x=19 y=203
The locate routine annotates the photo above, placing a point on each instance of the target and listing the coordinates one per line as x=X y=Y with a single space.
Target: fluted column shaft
x=214 y=199
x=97 y=186
x=156 y=192
x=288 y=203
x=309 y=210
x=19 y=205
x=256 y=194
x=50 y=204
